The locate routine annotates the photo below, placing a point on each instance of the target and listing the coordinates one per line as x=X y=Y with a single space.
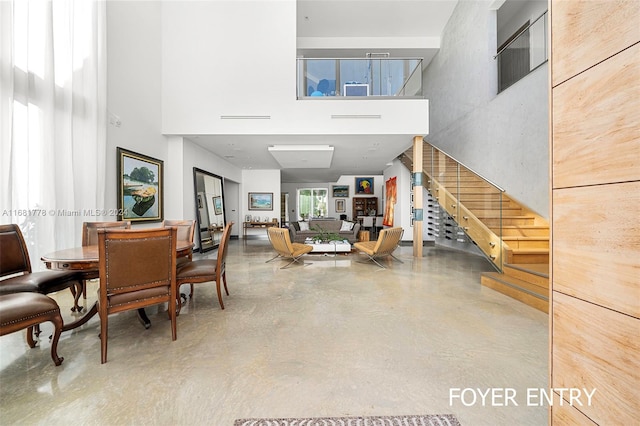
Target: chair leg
x=294 y=259
x=373 y=260
x=377 y=263
x=57 y=323
x=30 y=340
x=219 y=292
x=273 y=258
x=84 y=289
x=103 y=339
x=172 y=316
x=396 y=258
x=224 y=280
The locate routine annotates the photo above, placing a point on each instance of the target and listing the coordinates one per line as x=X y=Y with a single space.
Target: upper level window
x=522 y=45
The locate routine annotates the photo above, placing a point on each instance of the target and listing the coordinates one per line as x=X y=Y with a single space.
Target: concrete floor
x=334 y=338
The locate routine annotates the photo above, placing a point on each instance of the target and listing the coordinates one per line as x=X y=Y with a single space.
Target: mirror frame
x=202 y=207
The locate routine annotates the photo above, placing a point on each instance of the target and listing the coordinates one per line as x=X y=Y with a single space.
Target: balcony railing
x=357 y=77
x=523 y=54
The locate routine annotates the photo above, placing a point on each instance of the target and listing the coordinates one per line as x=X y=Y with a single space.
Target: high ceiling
x=353 y=154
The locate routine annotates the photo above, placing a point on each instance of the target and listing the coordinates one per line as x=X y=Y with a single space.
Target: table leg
x=90 y=313
x=94 y=310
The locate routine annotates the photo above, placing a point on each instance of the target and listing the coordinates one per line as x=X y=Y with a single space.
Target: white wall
x=134 y=95
x=503 y=137
x=134 y=87
x=260 y=181
x=238 y=58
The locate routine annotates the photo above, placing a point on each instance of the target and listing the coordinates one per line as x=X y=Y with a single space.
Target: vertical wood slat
x=595 y=347
x=597 y=247
x=596 y=126
x=417 y=195
x=586 y=32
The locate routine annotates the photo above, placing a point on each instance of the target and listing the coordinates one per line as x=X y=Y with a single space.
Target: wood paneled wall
x=595 y=208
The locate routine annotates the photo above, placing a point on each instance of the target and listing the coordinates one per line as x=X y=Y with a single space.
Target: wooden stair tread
x=523 y=238
x=530 y=250
x=526 y=226
x=526 y=296
x=527 y=216
x=540 y=269
x=526 y=286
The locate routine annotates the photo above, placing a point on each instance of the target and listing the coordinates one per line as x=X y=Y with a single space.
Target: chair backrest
x=14 y=256
x=388 y=240
x=186 y=228
x=280 y=240
x=222 y=248
x=135 y=260
x=367 y=222
x=379 y=221
x=90 y=230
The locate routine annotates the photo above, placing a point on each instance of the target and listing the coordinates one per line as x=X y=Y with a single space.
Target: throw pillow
x=304 y=226
x=295 y=225
x=346 y=226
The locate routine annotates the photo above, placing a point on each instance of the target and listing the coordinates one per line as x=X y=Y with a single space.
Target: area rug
x=427 y=420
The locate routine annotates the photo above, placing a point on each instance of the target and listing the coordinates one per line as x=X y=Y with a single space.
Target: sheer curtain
x=52 y=119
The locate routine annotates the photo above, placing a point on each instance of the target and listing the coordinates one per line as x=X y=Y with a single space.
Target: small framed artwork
x=217 y=205
x=199 y=201
x=340 y=206
x=140 y=188
x=364 y=185
x=261 y=201
x=340 y=191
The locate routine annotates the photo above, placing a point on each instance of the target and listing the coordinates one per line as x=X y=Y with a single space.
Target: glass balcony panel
x=349 y=77
x=320 y=77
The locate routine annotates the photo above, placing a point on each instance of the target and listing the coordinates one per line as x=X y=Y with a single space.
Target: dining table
x=85 y=260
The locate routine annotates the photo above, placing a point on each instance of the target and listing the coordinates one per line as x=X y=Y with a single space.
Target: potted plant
x=325 y=236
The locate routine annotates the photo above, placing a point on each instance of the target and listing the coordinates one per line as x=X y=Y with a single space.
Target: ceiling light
x=292 y=156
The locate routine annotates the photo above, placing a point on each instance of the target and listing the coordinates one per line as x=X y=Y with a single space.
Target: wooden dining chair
x=387 y=242
x=28 y=310
x=207 y=270
x=137 y=269
x=90 y=238
x=186 y=231
x=17 y=276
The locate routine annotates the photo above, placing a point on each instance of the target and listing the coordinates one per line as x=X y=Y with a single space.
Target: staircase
x=526 y=282
x=514 y=238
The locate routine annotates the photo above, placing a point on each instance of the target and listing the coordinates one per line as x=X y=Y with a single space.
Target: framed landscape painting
x=261 y=201
x=217 y=204
x=140 y=189
x=340 y=191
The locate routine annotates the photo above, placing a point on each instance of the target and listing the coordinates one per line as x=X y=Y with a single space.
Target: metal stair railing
x=465 y=195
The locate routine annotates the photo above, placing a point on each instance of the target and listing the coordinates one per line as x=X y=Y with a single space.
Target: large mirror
x=209 y=209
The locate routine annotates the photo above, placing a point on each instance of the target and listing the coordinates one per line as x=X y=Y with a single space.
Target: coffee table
x=334 y=247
